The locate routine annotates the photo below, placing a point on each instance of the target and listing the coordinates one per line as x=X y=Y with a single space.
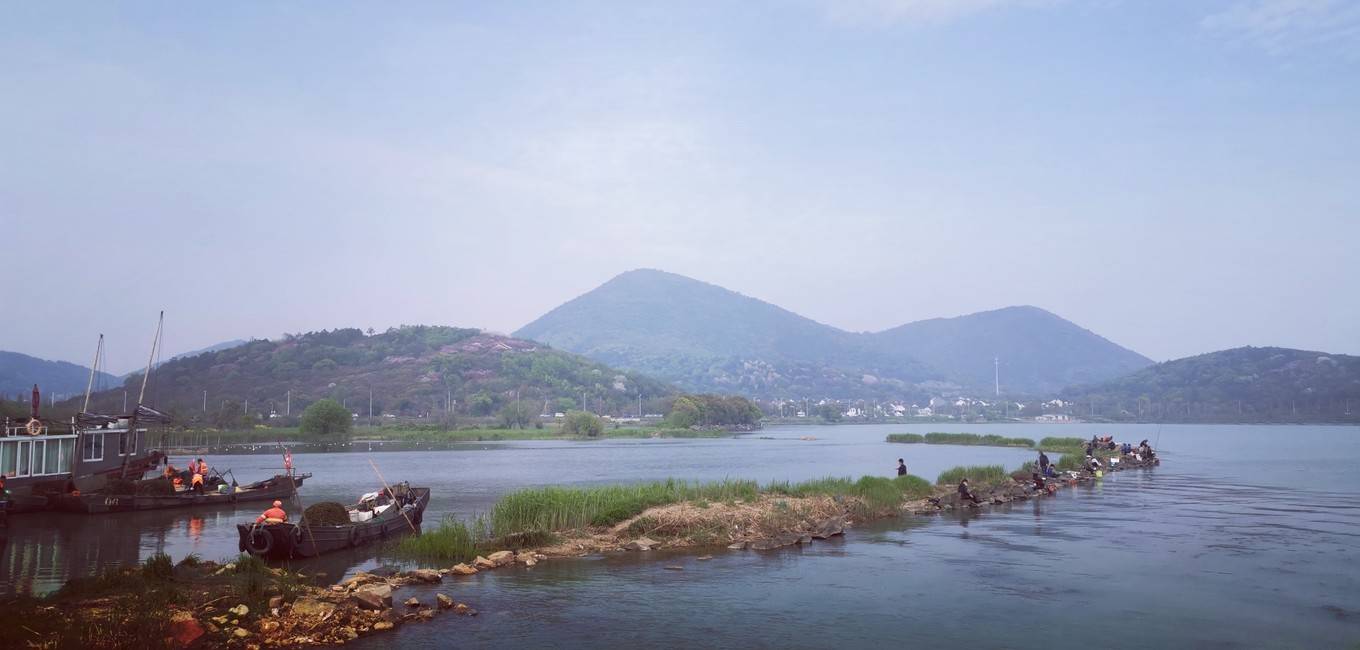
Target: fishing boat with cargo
x=377 y=516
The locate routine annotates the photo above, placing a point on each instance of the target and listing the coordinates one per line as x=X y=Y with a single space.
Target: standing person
x=901 y=467
x=199 y=469
x=1043 y=463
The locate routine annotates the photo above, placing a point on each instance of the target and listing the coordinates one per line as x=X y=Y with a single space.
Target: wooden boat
x=369 y=521
x=278 y=487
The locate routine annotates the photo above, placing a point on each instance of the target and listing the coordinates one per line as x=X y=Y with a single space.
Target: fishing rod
x=393 y=495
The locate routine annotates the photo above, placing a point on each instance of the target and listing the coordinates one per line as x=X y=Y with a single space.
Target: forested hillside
x=411 y=371
x=1242 y=384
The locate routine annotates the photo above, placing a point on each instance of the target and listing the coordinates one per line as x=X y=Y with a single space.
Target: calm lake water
x=1244 y=537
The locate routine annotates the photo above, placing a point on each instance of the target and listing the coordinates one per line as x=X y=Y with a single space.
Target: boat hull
x=292 y=541
x=268 y=490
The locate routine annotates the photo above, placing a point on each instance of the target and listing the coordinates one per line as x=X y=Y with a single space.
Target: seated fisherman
x=965 y=493
x=1092 y=464
x=274 y=515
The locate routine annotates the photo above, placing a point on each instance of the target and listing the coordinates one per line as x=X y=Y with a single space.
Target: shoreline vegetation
x=1057 y=445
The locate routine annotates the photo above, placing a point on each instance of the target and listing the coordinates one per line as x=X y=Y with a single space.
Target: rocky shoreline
x=251 y=606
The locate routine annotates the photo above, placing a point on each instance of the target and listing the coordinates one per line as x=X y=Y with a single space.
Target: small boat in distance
x=377 y=516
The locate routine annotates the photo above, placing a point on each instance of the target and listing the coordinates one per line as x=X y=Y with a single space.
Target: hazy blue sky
x=1177 y=176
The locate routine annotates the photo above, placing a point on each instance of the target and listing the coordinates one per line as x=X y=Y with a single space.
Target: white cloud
x=1282 y=26
x=919 y=11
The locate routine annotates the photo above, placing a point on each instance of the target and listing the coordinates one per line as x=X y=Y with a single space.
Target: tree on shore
x=518 y=414
x=582 y=423
x=326 y=417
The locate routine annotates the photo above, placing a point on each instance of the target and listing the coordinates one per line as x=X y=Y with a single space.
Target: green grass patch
x=557 y=508
x=1063 y=445
x=975 y=439
x=978 y=475
x=906 y=438
x=453 y=541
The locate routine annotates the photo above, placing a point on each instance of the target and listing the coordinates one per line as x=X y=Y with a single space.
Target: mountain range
x=704 y=337
x=18 y=373
x=1247 y=384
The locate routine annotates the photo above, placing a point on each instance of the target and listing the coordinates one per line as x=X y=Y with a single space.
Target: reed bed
x=1062 y=445
x=977 y=474
x=970 y=439
x=557 y=508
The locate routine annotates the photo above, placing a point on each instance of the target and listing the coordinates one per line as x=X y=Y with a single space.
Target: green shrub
x=583 y=423
x=158 y=566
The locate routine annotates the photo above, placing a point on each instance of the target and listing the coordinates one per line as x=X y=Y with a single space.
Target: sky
x=1179 y=177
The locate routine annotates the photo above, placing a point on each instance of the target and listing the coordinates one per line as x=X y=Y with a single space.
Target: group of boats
x=97 y=464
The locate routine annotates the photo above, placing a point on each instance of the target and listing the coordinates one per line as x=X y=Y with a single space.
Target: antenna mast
x=154 y=342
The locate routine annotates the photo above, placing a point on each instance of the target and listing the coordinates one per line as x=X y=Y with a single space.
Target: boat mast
x=132 y=419
x=154 y=342
x=98 y=349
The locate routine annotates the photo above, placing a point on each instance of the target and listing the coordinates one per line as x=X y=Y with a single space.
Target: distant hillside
x=225 y=345
x=704 y=337
x=18 y=373
x=410 y=370
x=1243 y=384
x=1040 y=353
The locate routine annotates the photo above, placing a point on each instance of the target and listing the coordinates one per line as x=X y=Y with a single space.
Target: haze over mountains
x=705 y=337
x=18 y=373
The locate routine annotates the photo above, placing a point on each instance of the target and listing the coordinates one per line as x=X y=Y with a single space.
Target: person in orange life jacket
x=200 y=471
x=274 y=515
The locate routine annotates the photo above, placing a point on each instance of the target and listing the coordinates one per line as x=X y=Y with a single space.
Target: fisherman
x=1092 y=464
x=170 y=471
x=200 y=471
x=274 y=515
x=965 y=493
x=1043 y=463
x=901 y=467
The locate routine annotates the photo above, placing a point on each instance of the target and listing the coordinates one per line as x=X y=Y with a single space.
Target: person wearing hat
x=274 y=515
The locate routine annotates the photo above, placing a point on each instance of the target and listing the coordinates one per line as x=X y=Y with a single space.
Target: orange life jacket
x=273 y=513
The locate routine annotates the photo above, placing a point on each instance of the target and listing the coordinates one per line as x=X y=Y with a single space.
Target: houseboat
x=40 y=458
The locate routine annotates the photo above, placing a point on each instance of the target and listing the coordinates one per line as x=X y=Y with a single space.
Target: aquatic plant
x=990 y=440
x=906 y=438
x=158 y=566
x=976 y=474
x=557 y=508
x=1062 y=445
x=454 y=540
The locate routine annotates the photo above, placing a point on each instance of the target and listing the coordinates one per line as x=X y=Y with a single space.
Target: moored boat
x=277 y=487
x=377 y=516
